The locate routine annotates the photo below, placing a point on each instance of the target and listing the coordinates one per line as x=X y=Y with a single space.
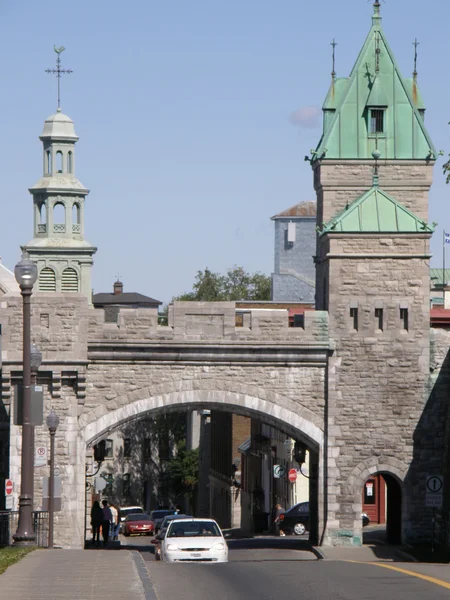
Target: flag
x=447 y=237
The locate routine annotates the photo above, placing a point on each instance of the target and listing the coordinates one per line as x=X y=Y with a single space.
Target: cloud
x=307 y=117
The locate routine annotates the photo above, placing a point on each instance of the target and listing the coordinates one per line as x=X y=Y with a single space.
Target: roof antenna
x=415 y=44
x=333 y=72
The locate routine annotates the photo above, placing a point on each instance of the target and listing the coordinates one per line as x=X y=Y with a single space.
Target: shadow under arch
x=394 y=473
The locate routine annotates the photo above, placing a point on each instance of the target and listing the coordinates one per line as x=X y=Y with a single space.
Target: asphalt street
x=274 y=568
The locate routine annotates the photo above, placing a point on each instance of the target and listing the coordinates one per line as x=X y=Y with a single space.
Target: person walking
x=107 y=518
x=114 y=522
x=96 y=522
x=279 y=510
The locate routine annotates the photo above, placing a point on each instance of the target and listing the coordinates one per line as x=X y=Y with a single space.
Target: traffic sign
x=9 y=502
x=292 y=475
x=40 y=456
x=434 y=492
x=9 y=486
x=279 y=471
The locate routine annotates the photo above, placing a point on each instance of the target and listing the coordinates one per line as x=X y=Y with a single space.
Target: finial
x=58 y=71
x=333 y=72
x=376 y=18
x=376 y=154
x=415 y=44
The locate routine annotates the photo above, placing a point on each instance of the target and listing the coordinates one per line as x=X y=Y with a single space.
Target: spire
x=376 y=19
x=333 y=72
x=59 y=72
x=415 y=44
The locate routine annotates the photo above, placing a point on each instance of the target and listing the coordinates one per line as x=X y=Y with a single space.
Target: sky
x=194 y=118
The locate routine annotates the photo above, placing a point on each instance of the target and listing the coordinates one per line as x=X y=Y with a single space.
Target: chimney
x=118 y=287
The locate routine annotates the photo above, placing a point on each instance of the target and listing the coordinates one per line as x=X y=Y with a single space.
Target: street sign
x=9 y=502
x=9 y=486
x=292 y=475
x=434 y=491
x=279 y=471
x=57 y=487
x=40 y=456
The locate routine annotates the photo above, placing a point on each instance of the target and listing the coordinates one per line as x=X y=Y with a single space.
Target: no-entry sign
x=292 y=475
x=8 y=487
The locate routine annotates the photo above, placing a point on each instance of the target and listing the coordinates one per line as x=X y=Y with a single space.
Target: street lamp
x=26 y=274
x=52 y=424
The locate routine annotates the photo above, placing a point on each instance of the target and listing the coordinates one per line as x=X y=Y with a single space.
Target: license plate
x=196 y=555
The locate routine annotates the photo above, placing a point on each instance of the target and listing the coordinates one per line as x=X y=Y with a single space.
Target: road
x=274 y=568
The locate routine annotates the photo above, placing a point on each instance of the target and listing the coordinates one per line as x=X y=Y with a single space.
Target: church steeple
x=63 y=256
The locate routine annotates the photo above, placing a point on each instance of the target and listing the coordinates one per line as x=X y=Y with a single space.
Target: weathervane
x=333 y=72
x=415 y=44
x=58 y=71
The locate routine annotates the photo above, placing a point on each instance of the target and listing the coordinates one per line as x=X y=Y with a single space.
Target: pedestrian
x=279 y=510
x=96 y=521
x=107 y=518
x=114 y=522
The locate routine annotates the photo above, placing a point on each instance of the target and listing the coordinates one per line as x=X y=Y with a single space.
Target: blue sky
x=184 y=115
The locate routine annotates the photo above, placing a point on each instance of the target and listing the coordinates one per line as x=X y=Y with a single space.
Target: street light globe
x=25 y=272
x=35 y=357
x=52 y=420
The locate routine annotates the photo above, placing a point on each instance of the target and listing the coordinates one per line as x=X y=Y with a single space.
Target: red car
x=139 y=524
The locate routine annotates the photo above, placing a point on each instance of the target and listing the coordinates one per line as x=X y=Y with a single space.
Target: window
x=379 y=318
x=75 y=214
x=59 y=162
x=69 y=162
x=354 y=316
x=42 y=213
x=404 y=318
x=127 y=447
x=49 y=162
x=376 y=120
x=126 y=487
x=59 y=217
x=69 y=280
x=109 y=449
x=147 y=449
x=47 y=280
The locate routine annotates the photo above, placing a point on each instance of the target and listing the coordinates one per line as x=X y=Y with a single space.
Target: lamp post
x=26 y=274
x=52 y=424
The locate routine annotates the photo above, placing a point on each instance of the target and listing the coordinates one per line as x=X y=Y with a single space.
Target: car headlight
x=171 y=547
x=218 y=546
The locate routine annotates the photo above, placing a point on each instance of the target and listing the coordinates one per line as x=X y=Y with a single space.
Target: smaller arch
x=76 y=214
x=70 y=162
x=48 y=162
x=69 y=280
x=42 y=213
x=47 y=280
x=59 y=162
x=59 y=217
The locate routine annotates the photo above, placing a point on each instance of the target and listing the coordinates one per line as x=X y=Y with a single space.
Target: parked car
x=296 y=519
x=194 y=540
x=138 y=524
x=158 y=515
x=128 y=510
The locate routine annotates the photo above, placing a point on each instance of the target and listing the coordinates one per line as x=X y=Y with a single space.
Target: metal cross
x=118 y=277
x=377 y=52
x=415 y=44
x=333 y=72
x=58 y=71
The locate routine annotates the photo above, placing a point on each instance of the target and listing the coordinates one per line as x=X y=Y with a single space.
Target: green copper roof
x=376 y=211
x=374 y=83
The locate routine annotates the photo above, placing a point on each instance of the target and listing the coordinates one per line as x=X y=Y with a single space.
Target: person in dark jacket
x=96 y=521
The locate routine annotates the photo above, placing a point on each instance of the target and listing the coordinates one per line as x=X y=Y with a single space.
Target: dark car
x=158 y=515
x=296 y=519
x=138 y=524
x=163 y=524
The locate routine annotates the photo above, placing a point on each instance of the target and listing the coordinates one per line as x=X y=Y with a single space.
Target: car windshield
x=138 y=517
x=131 y=511
x=160 y=514
x=193 y=529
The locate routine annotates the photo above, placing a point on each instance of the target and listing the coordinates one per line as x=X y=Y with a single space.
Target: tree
x=183 y=473
x=446 y=168
x=235 y=284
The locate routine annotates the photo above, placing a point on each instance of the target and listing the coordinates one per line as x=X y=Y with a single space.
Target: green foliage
x=11 y=555
x=446 y=168
x=235 y=284
x=183 y=471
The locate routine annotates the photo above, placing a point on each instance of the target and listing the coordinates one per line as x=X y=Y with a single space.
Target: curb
x=406 y=556
x=149 y=590
x=317 y=553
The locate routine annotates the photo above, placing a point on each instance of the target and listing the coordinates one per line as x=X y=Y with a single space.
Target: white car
x=194 y=540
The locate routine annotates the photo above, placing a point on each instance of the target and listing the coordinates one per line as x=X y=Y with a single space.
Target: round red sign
x=292 y=475
x=8 y=487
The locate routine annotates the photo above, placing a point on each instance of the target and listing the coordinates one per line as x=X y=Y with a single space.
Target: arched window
x=42 y=213
x=69 y=280
x=47 y=280
x=69 y=162
x=76 y=214
x=49 y=162
x=59 y=217
x=59 y=162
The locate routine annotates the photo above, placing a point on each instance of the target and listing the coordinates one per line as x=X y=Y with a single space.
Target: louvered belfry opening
x=47 y=280
x=69 y=280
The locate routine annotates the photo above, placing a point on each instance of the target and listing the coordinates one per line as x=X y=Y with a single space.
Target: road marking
x=440 y=582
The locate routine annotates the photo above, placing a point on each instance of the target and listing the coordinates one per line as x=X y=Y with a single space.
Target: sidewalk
x=78 y=575
x=366 y=553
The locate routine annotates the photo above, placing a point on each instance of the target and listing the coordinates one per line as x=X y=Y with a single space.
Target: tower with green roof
x=372 y=173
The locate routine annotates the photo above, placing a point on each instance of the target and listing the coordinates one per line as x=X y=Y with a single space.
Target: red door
x=374 y=499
